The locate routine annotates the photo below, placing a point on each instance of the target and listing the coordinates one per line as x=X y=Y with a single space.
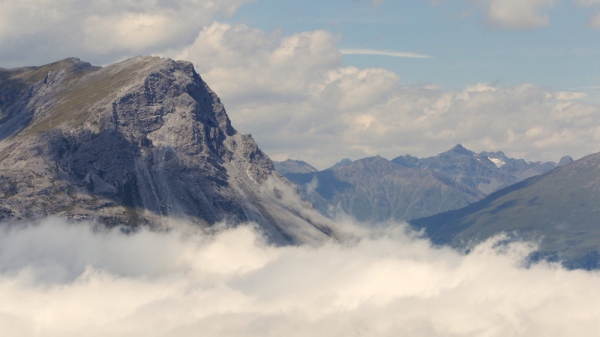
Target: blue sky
x=519 y=76
x=465 y=50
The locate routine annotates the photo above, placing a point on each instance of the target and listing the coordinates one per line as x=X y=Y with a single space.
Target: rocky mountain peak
x=142 y=141
x=565 y=160
x=293 y=166
x=461 y=150
x=407 y=160
x=342 y=162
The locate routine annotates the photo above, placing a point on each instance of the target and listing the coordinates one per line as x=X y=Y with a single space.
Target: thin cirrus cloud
x=384 y=53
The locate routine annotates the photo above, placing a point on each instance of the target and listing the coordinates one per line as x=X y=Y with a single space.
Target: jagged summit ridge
x=458 y=148
x=485 y=171
x=137 y=142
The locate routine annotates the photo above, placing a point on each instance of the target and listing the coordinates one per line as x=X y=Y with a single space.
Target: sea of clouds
x=61 y=279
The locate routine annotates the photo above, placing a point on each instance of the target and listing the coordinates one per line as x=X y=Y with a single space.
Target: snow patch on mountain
x=499 y=163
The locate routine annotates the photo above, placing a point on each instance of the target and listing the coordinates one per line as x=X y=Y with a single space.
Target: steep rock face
x=375 y=189
x=143 y=141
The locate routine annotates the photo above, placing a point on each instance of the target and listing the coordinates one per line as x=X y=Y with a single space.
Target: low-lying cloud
x=59 y=279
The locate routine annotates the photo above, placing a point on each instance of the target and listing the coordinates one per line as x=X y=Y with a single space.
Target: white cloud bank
x=33 y=31
x=294 y=94
x=67 y=280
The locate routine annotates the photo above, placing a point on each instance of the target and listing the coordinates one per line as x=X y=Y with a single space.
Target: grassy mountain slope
x=562 y=207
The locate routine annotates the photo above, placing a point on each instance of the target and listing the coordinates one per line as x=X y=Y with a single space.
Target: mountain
x=341 y=163
x=486 y=171
x=562 y=207
x=519 y=168
x=140 y=142
x=375 y=189
x=293 y=166
x=565 y=160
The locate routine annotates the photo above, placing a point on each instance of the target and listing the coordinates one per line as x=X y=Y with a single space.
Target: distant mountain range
x=376 y=189
x=486 y=171
x=562 y=207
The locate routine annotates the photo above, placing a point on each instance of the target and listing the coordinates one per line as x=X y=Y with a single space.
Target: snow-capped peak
x=499 y=163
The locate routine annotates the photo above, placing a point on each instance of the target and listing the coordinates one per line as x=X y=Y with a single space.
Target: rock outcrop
x=141 y=142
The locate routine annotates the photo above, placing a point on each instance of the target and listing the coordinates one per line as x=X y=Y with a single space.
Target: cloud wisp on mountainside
x=385 y=282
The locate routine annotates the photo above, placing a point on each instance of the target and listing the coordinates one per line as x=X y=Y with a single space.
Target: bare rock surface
x=293 y=166
x=140 y=142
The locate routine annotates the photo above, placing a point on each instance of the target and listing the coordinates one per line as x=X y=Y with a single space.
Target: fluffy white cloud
x=34 y=31
x=516 y=14
x=68 y=280
x=299 y=101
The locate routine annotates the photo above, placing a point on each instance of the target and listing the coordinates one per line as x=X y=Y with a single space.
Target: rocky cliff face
x=140 y=142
